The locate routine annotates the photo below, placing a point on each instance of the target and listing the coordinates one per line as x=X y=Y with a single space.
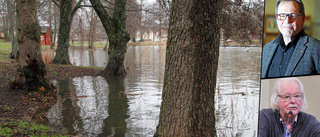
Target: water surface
x=98 y=106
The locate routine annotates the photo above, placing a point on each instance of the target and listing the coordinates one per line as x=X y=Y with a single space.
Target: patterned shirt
x=288 y=133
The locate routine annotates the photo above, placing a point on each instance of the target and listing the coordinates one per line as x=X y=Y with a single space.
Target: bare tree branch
x=165 y=4
x=76 y=7
x=109 y=2
x=56 y=2
x=41 y=5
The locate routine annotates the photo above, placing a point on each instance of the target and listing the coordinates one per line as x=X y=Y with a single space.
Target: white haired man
x=285 y=118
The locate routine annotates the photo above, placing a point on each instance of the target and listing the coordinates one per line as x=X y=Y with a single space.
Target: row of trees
x=61 y=17
x=243 y=20
x=85 y=26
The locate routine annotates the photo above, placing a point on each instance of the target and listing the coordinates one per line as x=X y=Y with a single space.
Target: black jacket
x=270 y=125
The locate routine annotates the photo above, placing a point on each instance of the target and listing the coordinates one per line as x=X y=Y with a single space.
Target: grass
x=5 y=47
x=12 y=127
x=93 y=67
x=101 y=44
x=97 y=44
x=5 y=50
x=6 y=107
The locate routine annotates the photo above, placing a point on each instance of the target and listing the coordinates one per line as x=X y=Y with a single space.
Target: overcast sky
x=151 y=1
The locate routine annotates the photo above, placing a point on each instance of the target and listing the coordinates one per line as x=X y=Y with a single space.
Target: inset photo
x=290 y=107
x=291 y=45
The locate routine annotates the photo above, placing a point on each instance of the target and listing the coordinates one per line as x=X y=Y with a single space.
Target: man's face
x=290 y=88
x=287 y=27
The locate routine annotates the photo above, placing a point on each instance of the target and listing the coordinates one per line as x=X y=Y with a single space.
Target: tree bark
x=5 y=28
x=92 y=29
x=117 y=34
x=192 y=55
x=66 y=16
x=54 y=28
x=31 y=68
x=62 y=54
x=12 y=22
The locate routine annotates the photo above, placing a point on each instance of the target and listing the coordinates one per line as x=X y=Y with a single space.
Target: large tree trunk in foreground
x=31 y=68
x=117 y=34
x=62 y=54
x=192 y=55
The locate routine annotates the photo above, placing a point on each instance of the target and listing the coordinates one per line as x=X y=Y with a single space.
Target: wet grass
x=5 y=50
x=97 y=44
x=5 y=47
x=147 y=43
x=11 y=127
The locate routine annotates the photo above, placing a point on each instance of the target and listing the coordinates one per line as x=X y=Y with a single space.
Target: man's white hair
x=276 y=92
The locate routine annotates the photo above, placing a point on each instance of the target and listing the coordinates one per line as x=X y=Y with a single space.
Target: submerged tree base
x=21 y=105
x=61 y=61
x=111 y=71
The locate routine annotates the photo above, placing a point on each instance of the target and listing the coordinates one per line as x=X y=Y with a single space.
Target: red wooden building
x=45 y=36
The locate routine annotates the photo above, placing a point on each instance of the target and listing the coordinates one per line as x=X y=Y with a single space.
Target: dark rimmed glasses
x=292 y=16
x=287 y=97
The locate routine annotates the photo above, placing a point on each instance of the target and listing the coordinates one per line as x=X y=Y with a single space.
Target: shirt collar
x=295 y=120
x=294 y=41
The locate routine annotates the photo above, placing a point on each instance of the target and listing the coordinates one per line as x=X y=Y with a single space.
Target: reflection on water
x=237 y=96
x=80 y=56
x=98 y=106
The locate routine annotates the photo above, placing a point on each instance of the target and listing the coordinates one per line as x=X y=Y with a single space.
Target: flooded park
x=99 y=106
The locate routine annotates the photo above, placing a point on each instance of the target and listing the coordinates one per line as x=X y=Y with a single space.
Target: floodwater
x=237 y=93
x=98 y=106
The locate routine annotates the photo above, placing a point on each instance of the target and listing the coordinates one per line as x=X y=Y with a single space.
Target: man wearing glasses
x=285 y=119
x=293 y=52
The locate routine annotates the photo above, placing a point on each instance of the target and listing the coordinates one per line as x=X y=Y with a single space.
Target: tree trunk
x=5 y=28
x=13 y=37
x=91 y=29
x=117 y=34
x=50 y=22
x=192 y=55
x=81 y=31
x=54 y=30
x=94 y=36
x=116 y=51
x=62 y=54
x=31 y=68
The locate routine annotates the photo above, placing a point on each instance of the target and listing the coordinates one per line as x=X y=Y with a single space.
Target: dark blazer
x=270 y=125
x=305 y=59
